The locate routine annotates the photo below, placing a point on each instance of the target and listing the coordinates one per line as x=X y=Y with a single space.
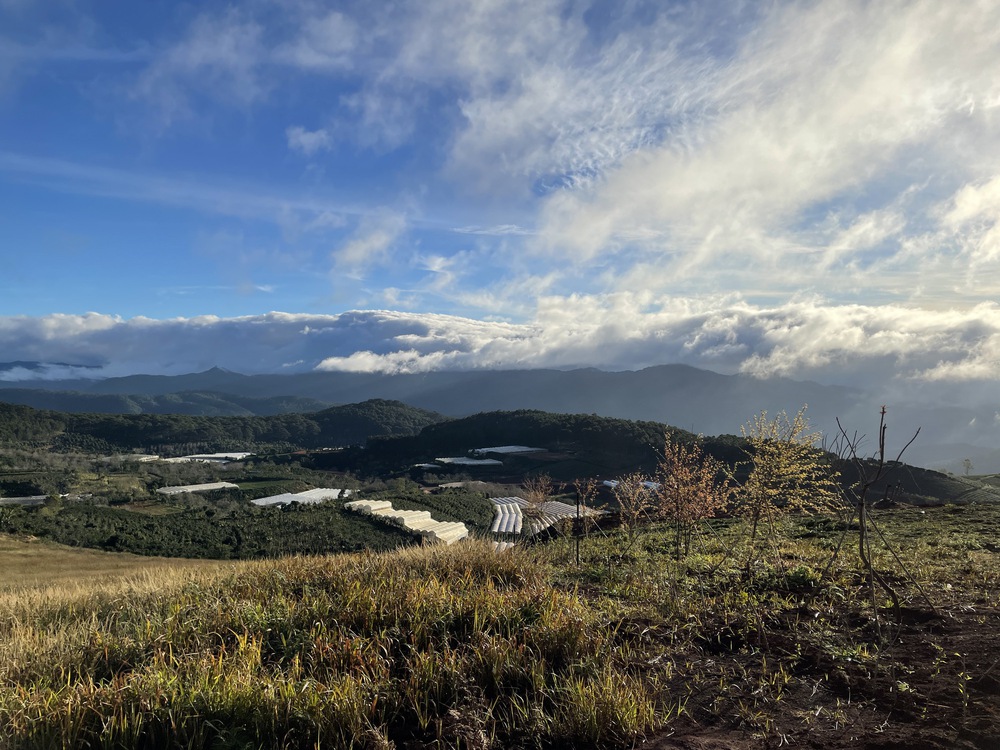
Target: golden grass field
x=31 y=562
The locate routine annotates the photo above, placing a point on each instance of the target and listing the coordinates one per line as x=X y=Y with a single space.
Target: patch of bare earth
x=941 y=692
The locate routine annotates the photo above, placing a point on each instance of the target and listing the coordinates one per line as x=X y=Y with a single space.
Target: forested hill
x=398 y=436
x=578 y=445
x=352 y=424
x=601 y=443
x=699 y=400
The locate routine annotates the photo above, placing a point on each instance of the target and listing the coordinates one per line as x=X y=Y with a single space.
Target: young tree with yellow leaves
x=691 y=486
x=536 y=490
x=787 y=473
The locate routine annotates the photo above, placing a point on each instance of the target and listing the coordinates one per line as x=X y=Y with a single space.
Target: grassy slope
x=31 y=562
x=468 y=648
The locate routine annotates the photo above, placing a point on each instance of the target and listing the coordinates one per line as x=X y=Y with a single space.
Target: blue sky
x=800 y=188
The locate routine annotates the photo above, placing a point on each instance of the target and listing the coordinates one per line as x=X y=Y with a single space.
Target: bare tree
x=860 y=496
x=636 y=504
x=586 y=492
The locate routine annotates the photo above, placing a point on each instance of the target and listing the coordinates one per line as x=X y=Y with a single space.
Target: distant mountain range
x=192 y=403
x=697 y=400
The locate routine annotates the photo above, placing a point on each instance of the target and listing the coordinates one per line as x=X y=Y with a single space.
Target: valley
x=324 y=622
x=698 y=400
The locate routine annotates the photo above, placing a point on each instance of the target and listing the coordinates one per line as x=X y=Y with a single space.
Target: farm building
x=507 y=449
x=515 y=515
x=418 y=521
x=209 y=458
x=208 y=487
x=612 y=483
x=309 y=497
x=29 y=500
x=465 y=461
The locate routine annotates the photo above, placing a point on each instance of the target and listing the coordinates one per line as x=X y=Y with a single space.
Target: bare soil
x=944 y=695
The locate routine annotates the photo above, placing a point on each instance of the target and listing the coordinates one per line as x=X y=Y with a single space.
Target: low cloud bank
x=896 y=346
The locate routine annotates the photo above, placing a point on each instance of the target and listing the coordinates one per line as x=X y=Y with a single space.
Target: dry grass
x=461 y=647
x=32 y=562
x=455 y=645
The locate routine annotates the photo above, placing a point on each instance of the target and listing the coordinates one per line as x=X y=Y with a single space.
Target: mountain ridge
x=697 y=400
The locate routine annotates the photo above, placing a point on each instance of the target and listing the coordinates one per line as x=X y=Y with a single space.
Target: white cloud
x=48 y=372
x=308 y=142
x=774 y=151
x=217 y=58
x=237 y=57
x=291 y=211
x=393 y=363
x=683 y=143
x=891 y=346
x=324 y=42
x=714 y=146
x=370 y=243
x=498 y=230
x=974 y=202
x=865 y=232
x=974 y=218
x=826 y=106
x=383 y=118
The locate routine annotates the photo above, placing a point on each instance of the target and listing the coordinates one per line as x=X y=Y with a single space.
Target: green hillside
x=390 y=437
x=176 y=433
x=575 y=444
x=216 y=528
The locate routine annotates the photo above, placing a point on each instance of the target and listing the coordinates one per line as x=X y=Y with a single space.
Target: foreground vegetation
x=336 y=652
x=461 y=647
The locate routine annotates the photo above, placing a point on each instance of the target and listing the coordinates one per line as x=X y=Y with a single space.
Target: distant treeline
x=352 y=424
